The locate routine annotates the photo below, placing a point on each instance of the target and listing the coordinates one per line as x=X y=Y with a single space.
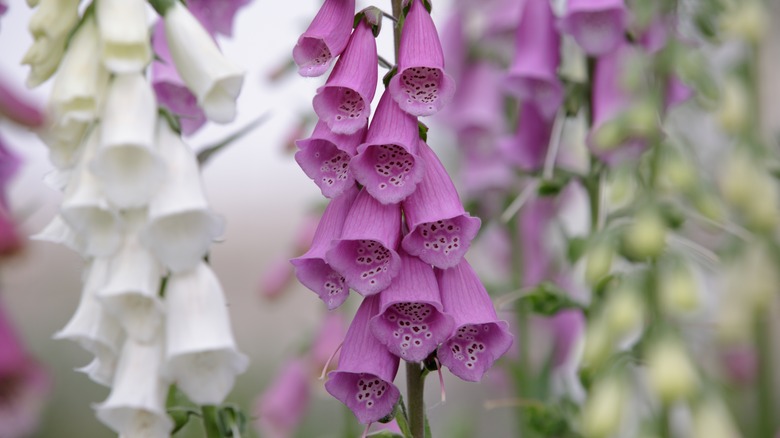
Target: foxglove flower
x=311 y=268
x=532 y=75
x=216 y=15
x=181 y=225
x=568 y=328
x=328 y=339
x=411 y=322
x=325 y=38
x=127 y=164
x=364 y=378
x=201 y=356
x=49 y=25
x=214 y=81
x=533 y=221
x=275 y=278
x=136 y=405
x=440 y=230
x=325 y=156
x=124 y=35
x=480 y=338
x=282 y=406
x=598 y=26
x=365 y=253
x=169 y=87
x=17 y=109
x=477 y=101
x=58 y=231
x=102 y=369
x=421 y=87
x=387 y=164
x=344 y=102
x=64 y=138
x=528 y=148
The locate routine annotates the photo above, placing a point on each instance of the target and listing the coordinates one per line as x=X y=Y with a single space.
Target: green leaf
x=552 y=187
x=576 y=249
x=206 y=153
x=546 y=420
x=230 y=418
x=389 y=75
x=423 y=131
x=401 y=418
x=547 y=299
x=385 y=434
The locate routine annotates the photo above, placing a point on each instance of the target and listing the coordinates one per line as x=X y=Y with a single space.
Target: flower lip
x=325 y=157
x=368 y=396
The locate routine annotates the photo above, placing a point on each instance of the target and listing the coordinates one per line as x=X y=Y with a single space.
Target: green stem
x=415 y=386
x=162 y=6
x=664 y=430
x=522 y=373
x=398 y=14
x=210 y=421
x=765 y=398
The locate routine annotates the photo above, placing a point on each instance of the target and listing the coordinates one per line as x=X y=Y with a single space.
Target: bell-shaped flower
x=388 y=164
x=216 y=15
x=208 y=74
x=676 y=93
x=81 y=80
x=478 y=99
x=311 y=268
x=344 y=102
x=325 y=156
x=102 y=369
x=169 y=87
x=527 y=149
x=85 y=209
x=411 y=322
x=43 y=57
x=568 y=329
x=91 y=325
x=421 y=87
x=598 y=26
x=181 y=225
x=364 y=378
x=131 y=293
x=58 y=231
x=275 y=278
x=440 y=230
x=329 y=335
x=325 y=38
x=64 y=138
x=136 y=405
x=18 y=109
x=124 y=35
x=201 y=356
x=49 y=25
x=532 y=221
x=484 y=168
x=281 y=408
x=532 y=75
x=480 y=338
x=365 y=253
x=127 y=164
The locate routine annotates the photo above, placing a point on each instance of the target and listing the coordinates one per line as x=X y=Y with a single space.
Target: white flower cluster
x=152 y=312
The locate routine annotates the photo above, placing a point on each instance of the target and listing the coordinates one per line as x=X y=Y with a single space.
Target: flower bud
x=761 y=209
x=747 y=20
x=603 y=411
x=711 y=419
x=677 y=173
x=737 y=178
x=678 y=290
x=671 y=374
x=646 y=237
x=598 y=261
x=623 y=313
x=598 y=343
x=642 y=117
x=734 y=107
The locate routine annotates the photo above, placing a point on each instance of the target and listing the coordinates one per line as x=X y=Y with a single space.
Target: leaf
x=401 y=418
x=385 y=434
x=206 y=153
x=547 y=299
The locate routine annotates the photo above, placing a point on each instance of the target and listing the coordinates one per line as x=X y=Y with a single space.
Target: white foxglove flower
x=181 y=225
x=64 y=139
x=57 y=231
x=43 y=57
x=213 y=80
x=124 y=35
x=131 y=292
x=201 y=355
x=49 y=25
x=136 y=405
x=86 y=210
x=81 y=79
x=91 y=326
x=102 y=368
x=126 y=163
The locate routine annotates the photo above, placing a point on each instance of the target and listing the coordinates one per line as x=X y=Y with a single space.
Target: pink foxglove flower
x=364 y=378
x=365 y=254
x=527 y=149
x=387 y=164
x=532 y=75
x=480 y=338
x=440 y=230
x=311 y=268
x=411 y=322
x=283 y=404
x=16 y=108
x=478 y=99
x=533 y=221
x=330 y=333
x=677 y=92
x=217 y=16
x=325 y=156
x=344 y=102
x=421 y=87
x=124 y=35
x=275 y=278
x=325 y=38
x=598 y=26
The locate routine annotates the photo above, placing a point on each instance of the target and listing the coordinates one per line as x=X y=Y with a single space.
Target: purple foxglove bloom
x=655 y=36
x=282 y=406
x=421 y=87
x=478 y=99
x=598 y=26
x=411 y=323
x=365 y=254
x=568 y=329
x=483 y=169
x=677 y=92
x=480 y=338
x=533 y=220
x=275 y=278
x=216 y=15
x=455 y=45
x=344 y=102
x=440 y=230
x=325 y=157
x=387 y=164
x=325 y=38
x=169 y=87
x=311 y=268
x=364 y=378
x=17 y=109
x=330 y=333
x=532 y=75
x=527 y=149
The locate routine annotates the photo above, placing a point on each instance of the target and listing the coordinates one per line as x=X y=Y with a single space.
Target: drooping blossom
x=275 y=278
x=421 y=87
x=440 y=230
x=527 y=149
x=598 y=26
x=364 y=378
x=217 y=16
x=480 y=338
x=280 y=409
x=328 y=339
x=124 y=35
x=533 y=221
x=49 y=25
x=411 y=322
x=477 y=101
x=344 y=102
x=325 y=38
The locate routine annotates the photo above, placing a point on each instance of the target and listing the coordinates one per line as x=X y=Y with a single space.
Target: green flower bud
x=598 y=261
x=603 y=411
x=671 y=374
x=678 y=290
x=646 y=237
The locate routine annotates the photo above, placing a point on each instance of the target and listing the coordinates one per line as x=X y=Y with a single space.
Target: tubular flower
x=124 y=35
x=421 y=87
x=325 y=38
x=344 y=102
x=528 y=148
x=50 y=25
x=217 y=16
x=364 y=378
x=598 y=26
x=282 y=407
